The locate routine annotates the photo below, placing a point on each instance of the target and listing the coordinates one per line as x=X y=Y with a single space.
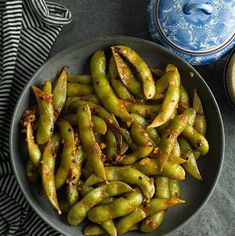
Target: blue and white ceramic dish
x=200 y=31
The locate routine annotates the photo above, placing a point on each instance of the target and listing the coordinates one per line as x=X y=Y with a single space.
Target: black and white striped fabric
x=28 y=29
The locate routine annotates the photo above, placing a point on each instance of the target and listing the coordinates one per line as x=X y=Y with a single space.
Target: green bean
x=153 y=206
x=79 y=211
x=139 y=135
x=169 y=137
x=48 y=168
x=191 y=113
x=196 y=139
x=141 y=152
x=47 y=87
x=174 y=188
x=191 y=164
x=59 y=93
x=74 y=175
x=111 y=149
x=89 y=144
x=109 y=227
x=143 y=110
x=119 y=207
x=170 y=101
x=33 y=149
x=31 y=171
x=45 y=107
x=103 y=88
x=184 y=102
x=118 y=86
x=152 y=222
x=150 y=167
x=127 y=174
x=161 y=187
x=81 y=79
x=200 y=122
x=152 y=132
x=126 y=75
x=141 y=68
x=93 y=230
x=76 y=90
x=68 y=152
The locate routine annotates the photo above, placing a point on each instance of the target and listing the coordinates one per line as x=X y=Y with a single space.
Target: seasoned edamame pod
x=81 y=79
x=103 y=88
x=74 y=175
x=89 y=144
x=152 y=132
x=111 y=149
x=127 y=174
x=48 y=168
x=118 y=86
x=59 y=93
x=47 y=87
x=141 y=68
x=184 y=102
x=33 y=149
x=119 y=207
x=139 y=135
x=196 y=139
x=152 y=222
x=46 y=116
x=150 y=167
x=68 y=151
x=32 y=172
x=109 y=227
x=153 y=206
x=79 y=211
x=191 y=164
x=126 y=75
x=76 y=90
x=170 y=101
x=141 y=152
x=175 y=154
x=169 y=137
x=161 y=187
x=191 y=113
x=93 y=230
x=174 y=188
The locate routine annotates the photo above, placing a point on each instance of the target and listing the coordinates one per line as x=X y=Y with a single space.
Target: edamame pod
x=31 y=171
x=169 y=137
x=109 y=227
x=89 y=144
x=99 y=125
x=76 y=90
x=68 y=152
x=127 y=174
x=184 y=102
x=161 y=187
x=93 y=230
x=170 y=101
x=191 y=164
x=139 y=135
x=59 y=93
x=174 y=188
x=119 y=207
x=152 y=222
x=175 y=154
x=126 y=75
x=141 y=68
x=47 y=87
x=48 y=168
x=81 y=79
x=46 y=116
x=33 y=149
x=191 y=113
x=79 y=211
x=74 y=175
x=150 y=167
x=111 y=149
x=118 y=86
x=103 y=88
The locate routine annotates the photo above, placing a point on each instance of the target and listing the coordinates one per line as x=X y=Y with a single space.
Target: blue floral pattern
x=188 y=34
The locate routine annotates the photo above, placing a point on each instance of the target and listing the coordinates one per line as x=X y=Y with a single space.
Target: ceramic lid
x=200 y=31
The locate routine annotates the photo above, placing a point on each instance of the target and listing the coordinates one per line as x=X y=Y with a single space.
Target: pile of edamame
x=117 y=142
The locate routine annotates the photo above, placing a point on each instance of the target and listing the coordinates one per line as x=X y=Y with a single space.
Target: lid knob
x=200 y=8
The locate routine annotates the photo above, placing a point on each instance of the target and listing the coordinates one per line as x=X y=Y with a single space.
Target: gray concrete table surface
x=94 y=18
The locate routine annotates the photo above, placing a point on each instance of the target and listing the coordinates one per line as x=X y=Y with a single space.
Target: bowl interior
x=77 y=58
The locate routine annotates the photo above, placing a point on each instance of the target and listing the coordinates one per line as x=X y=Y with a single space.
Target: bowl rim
x=129 y=39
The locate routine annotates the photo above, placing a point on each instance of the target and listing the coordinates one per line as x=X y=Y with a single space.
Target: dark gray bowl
x=77 y=58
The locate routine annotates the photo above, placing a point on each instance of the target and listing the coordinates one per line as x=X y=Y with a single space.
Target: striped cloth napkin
x=28 y=29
